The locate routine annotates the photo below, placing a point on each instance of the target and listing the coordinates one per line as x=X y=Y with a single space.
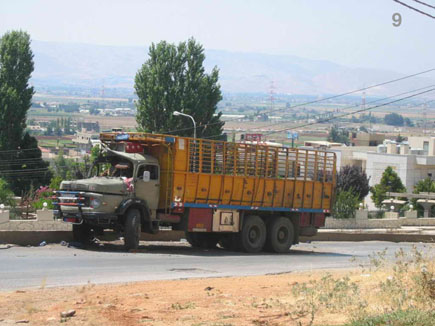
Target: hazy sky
x=357 y=33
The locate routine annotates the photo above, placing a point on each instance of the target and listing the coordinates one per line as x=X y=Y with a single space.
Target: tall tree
x=20 y=158
x=174 y=79
x=16 y=67
x=390 y=182
x=338 y=136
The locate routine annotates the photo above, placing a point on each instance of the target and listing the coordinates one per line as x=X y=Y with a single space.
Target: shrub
x=398 y=318
x=346 y=203
x=353 y=178
x=6 y=194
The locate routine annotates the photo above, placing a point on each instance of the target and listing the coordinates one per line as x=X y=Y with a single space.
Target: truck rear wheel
x=132 y=229
x=201 y=240
x=253 y=235
x=81 y=233
x=280 y=234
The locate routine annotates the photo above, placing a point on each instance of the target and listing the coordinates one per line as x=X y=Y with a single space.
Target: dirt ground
x=332 y=297
x=256 y=300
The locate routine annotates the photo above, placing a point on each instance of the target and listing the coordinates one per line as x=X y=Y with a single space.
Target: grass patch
x=398 y=318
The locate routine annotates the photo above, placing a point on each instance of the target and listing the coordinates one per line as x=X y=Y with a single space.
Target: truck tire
x=132 y=229
x=81 y=233
x=280 y=234
x=253 y=235
x=202 y=240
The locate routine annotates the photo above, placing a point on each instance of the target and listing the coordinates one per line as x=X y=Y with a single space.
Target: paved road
x=54 y=265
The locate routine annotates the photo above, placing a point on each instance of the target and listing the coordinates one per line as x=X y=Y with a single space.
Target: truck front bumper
x=97 y=219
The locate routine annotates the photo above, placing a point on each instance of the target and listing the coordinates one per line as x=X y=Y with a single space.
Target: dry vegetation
x=405 y=290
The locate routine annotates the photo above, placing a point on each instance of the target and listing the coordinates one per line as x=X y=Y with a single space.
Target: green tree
x=425 y=185
x=21 y=163
x=355 y=179
x=174 y=79
x=338 y=136
x=390 y=182
x=408 y=122
x=6 y=194
x=393 y=119
x=345 y=205
x=400 y=139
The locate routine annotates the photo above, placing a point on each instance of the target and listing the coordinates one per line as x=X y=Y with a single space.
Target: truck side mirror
x=146 y=176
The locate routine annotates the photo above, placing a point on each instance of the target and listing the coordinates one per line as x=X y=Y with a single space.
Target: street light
x=177 y=113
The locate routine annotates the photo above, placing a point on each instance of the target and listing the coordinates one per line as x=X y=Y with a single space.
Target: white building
x=411 y=164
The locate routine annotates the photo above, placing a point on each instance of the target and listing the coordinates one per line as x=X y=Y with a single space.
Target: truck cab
x=121 y=193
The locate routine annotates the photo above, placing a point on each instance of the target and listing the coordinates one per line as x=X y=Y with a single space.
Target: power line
x=343 y=115
x=351 y=113
x=313 y=102
x=424 y=4
x=415 y=9
x=356 y=105
x=23 y=170
x=20 y=150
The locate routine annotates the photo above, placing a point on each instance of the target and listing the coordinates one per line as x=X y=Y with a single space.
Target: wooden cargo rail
x=208 y=173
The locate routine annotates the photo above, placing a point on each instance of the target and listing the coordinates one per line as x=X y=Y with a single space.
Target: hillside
x=92 y=66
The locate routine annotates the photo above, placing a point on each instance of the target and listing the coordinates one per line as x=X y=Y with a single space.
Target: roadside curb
x=34 y=238
x=363 y=235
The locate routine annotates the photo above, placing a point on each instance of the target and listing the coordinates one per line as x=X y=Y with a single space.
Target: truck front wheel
x=280 y=234
x=132 y=229
x=253 y=234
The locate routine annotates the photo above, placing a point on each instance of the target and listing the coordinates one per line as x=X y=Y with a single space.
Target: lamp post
x=177 y=113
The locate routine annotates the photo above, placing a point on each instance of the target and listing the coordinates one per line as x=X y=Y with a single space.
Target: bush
x=398 y=318
x=6 y=194
x=355 y=179
x=41 y=196
x=425 y=185
x=346 y=203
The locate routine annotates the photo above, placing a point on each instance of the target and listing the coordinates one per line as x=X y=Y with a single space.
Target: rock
x=22 y=321
x=69 y=313
x=42 y=244
x=208 y=288
x=135 y=310
x=63 y=243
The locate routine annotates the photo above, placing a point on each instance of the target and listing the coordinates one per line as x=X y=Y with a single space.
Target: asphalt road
x=55 y=265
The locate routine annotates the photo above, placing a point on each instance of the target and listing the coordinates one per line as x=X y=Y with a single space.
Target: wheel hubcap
x=282 y=235
x=254 y=234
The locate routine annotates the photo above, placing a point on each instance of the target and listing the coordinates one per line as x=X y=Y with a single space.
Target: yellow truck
x=244 y=196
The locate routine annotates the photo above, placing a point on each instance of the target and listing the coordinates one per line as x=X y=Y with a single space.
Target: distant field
x=76 y=99
x=55 y=142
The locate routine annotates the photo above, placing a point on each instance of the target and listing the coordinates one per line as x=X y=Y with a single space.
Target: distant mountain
x=87 y=65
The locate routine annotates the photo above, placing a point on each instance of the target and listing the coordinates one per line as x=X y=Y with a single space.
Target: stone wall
x=43 y=222
x=361 y=221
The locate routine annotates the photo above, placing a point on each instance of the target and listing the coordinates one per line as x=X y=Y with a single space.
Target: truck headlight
x=95 y=202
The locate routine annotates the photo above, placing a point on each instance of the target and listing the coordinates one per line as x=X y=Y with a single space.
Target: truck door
x=148 y=189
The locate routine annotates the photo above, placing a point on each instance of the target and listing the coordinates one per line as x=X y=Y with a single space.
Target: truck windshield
x=111 y=167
